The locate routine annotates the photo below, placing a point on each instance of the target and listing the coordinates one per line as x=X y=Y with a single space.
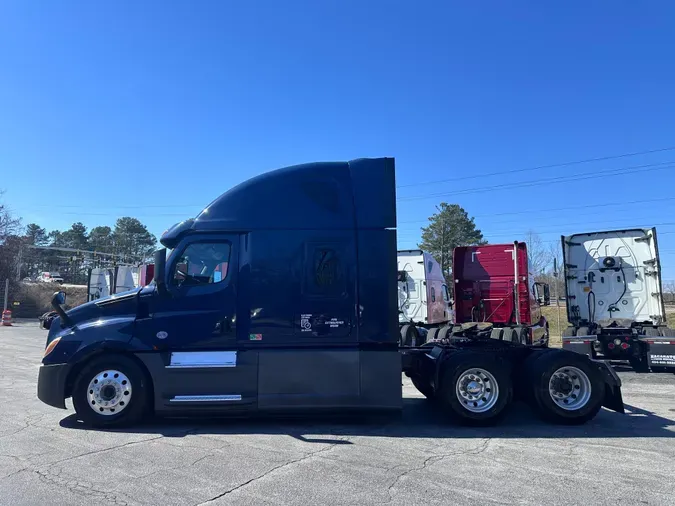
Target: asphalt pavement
x=47 y=457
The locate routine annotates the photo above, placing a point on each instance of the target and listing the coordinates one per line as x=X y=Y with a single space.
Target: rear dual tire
x=563 y=387
x=423 y=387
x=476 y=388
x=408 y=335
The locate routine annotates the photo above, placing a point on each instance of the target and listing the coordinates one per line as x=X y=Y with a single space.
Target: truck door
x=194 y=328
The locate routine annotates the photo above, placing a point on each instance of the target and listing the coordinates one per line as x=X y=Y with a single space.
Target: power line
x=498 y=224
x=504 y=233
x=559 y=179
x=540 y=167
x=555 y=180
x=571 y=208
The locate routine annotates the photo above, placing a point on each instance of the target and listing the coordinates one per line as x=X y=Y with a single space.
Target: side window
x=202 y=263
x=433 y=294
x=446 y=297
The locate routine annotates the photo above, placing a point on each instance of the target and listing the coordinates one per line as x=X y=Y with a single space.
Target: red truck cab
x=492 y=284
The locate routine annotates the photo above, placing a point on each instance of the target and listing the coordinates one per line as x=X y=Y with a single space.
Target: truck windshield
x=202 y=263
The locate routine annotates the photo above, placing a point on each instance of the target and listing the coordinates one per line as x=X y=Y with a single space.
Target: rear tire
x=111 y=390
x=423 y=387
x=565 y=388
x=444 y=332
x=509 y=335
x=496 y=333
x=476 y=388
x=409 y=335
x=522 y=335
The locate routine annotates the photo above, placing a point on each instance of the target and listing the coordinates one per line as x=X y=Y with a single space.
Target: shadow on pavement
x=419 y=419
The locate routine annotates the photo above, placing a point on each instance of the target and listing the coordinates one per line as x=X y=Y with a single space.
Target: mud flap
x=613 y=399
x=581 y=344
x=660 y=351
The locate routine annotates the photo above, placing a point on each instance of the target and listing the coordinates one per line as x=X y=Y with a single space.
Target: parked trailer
x=493 y=295
x=281 y=296
x=423 y=297
x=614 y=298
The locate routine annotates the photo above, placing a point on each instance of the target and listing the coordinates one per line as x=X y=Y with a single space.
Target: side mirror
x=58 y=299
x=541 y=293
x=159 y=270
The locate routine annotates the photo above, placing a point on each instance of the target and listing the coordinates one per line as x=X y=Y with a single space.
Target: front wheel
x=111 y=391
x=476 y=388
x=566 y=388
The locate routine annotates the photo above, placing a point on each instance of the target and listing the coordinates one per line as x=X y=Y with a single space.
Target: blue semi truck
x=281 y=296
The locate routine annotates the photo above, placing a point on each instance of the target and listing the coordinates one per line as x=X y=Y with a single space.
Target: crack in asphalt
x=123 y=445
x=432 y=460
x=81 y=488
x=29 y=421
x=181 y=466
x=267 y=473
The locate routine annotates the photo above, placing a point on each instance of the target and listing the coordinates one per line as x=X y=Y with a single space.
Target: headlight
x=50 y=347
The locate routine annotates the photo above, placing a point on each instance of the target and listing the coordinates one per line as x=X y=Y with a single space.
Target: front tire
x=476 y=388
x=111 y=390
x=565 y=387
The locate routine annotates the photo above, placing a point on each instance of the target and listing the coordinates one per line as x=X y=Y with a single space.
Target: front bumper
x=51 y=388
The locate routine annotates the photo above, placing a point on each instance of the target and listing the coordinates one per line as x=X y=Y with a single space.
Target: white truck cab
x=423 y=296
x=614 y=298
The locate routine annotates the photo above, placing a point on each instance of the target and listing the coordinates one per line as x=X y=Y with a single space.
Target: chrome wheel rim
x=477 y=390
x=109 y=392
x=570 y=388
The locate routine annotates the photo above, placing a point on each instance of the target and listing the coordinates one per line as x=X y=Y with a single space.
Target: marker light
x=50 y=347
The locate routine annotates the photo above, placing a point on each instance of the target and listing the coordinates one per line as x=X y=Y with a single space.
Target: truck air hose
x=625 y=289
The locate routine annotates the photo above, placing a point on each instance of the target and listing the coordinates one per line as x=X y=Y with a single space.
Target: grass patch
x=551 y=315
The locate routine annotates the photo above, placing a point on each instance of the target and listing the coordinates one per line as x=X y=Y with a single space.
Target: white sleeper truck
x=423 y=297
x=614 y=298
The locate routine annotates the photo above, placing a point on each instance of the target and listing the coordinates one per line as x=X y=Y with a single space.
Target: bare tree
x=669 y=291
x=538 y=255
x=10 y=243
x=9 y=225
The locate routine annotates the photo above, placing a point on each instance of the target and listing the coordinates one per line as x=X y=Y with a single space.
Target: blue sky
x=117 y=108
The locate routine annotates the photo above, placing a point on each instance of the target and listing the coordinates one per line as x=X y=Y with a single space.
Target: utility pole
x=6 y=294
x=18 y=264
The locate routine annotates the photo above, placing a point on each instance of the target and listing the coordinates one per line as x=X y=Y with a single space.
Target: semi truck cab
x=492 y=286
x=615 y=300
x=423 y=297
x=281 y=295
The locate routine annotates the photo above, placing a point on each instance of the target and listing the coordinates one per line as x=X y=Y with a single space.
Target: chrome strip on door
x=194 y=359
x=205 y=398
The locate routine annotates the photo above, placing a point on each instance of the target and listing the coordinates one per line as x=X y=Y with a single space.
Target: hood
x=120 y=304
